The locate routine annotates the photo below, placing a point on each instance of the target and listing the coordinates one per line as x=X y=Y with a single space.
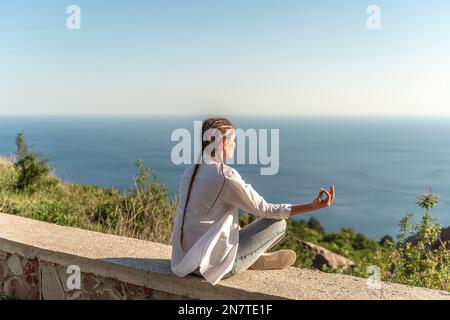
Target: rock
x=14 y=265
x=137 y=292
x=3 y=268
x=89 y=282
x=104 y=294
x=75 y=295
x=51 y=286
x=328 y=258
x=17 y=288
x=31 y=272
x=2 y=273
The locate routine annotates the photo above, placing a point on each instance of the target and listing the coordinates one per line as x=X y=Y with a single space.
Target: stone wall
x=32 y=279
x=19 y=277
x=39 y=260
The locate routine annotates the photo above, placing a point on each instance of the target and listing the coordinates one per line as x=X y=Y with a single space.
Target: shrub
x=420 y=258
x=385 y=240
x=314 y=224
x=33 y=171
x=8 y=176
x=53 y=211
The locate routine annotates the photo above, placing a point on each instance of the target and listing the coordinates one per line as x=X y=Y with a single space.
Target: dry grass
x=7 y=161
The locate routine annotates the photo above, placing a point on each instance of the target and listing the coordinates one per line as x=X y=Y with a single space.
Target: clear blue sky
x=246 y=56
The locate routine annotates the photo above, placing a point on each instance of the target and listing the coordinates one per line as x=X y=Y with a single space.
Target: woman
x=206 y=238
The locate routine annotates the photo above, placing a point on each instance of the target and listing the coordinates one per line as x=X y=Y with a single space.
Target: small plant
x=146 y=211
x=428 y=200
x=4 y=296
x=33 y=170
x=144 y=176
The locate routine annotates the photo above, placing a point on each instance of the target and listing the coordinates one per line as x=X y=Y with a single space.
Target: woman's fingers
x=319 y=196
x=332 y=193
x=328 y=197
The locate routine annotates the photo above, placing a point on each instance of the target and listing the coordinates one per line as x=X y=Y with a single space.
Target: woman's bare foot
x=280 y=259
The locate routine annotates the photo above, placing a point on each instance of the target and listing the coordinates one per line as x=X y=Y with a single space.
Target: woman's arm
x=242 y=195
x=317 y=204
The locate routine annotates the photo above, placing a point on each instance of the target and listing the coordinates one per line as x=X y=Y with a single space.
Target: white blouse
x=211 y=224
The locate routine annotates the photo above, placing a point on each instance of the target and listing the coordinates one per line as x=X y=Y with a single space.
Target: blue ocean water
x=378 y=165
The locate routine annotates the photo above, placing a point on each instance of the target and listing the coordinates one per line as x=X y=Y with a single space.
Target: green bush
x=419 y=258
x=53 y=211
x=8 y=176
x=314 y=224
x=33 y=172
x=385 y=240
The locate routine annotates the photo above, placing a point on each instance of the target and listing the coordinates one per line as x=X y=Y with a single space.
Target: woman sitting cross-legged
x=207 y=239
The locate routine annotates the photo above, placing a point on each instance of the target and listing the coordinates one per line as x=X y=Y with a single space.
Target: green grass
x=4 y=296
x=145 y=211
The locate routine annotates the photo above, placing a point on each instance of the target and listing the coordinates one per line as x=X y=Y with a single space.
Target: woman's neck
x=217 y=158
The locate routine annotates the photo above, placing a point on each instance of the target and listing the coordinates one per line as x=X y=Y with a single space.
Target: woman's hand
x=320 y=203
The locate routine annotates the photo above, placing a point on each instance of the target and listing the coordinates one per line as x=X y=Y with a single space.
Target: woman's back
x=205 y=205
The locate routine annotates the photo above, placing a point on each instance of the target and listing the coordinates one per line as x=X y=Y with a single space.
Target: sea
x=378 y=164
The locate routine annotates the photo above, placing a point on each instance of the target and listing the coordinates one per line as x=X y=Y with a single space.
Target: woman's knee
x=281 y=230
x=276 y=226
x=279 y=225
x=283 y=224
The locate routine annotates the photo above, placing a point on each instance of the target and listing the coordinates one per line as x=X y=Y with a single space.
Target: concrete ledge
x=116 y=267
